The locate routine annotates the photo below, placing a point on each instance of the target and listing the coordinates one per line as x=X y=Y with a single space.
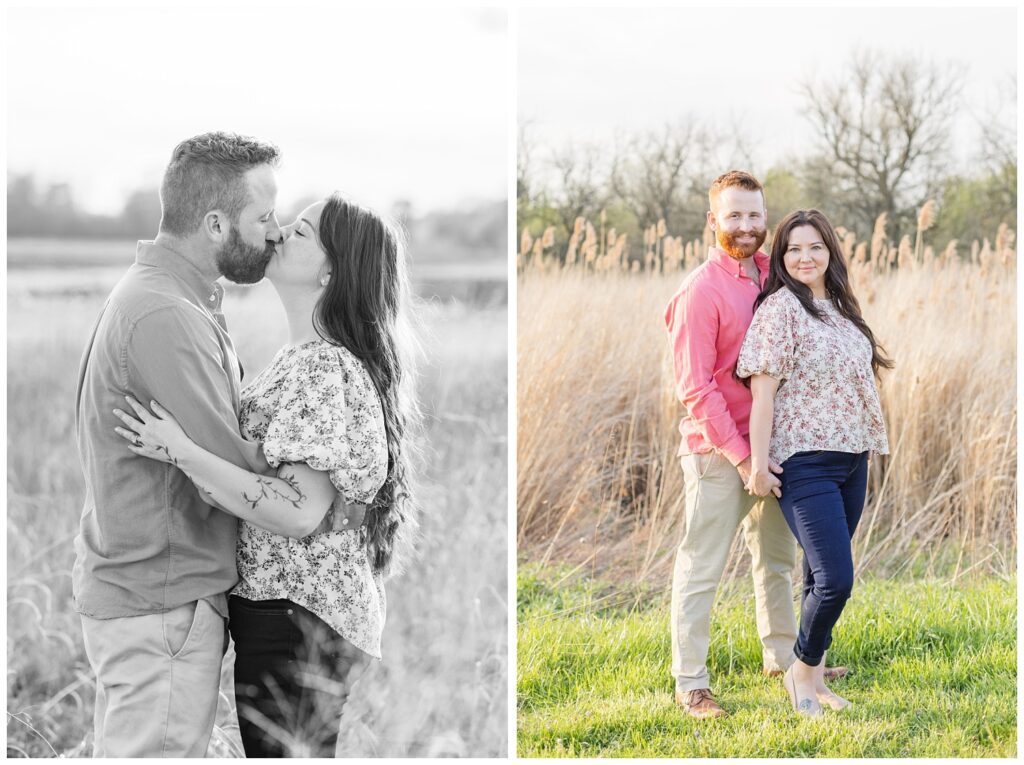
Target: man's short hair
x=736 y=178
x=207 y=172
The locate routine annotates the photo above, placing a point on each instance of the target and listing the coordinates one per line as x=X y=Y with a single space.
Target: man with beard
x=707 y=319
x=154 y=560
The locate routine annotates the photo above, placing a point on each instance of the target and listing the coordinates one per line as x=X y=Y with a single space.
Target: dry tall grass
x=599 y=484
x=442 y=687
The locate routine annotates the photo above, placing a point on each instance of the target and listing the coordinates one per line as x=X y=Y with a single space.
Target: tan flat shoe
x=807 y=707
x=833 y=701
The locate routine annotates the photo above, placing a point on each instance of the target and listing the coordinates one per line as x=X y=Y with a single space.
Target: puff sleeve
x=769 y=347
x=329 y=417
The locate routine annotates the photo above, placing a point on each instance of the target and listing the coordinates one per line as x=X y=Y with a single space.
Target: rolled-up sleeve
x=693 y=331
x=173 y=356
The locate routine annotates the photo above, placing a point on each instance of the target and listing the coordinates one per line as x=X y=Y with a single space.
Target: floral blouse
x=315 y=403
x=827 y=398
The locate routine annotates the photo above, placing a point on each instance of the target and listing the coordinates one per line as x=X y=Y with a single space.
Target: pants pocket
x=180 y=626
x=697 y=464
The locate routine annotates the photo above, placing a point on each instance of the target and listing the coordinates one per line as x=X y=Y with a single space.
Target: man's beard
x=241 y=262
x=737 y=250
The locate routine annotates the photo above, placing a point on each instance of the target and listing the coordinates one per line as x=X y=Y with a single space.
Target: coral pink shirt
x=707 y=319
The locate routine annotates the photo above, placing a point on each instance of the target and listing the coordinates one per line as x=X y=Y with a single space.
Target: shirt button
x=344 y=521
x=213 y=298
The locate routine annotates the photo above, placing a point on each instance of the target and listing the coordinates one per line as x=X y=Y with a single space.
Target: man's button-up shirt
x=707 y=320
x=148 y=542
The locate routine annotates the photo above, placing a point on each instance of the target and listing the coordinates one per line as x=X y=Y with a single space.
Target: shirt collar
x=149 y=253
x=733 y=266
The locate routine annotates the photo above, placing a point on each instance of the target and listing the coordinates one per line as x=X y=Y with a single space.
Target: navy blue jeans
x=822 y=500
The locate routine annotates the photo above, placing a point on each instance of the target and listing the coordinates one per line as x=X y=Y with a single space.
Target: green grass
x=933 y=675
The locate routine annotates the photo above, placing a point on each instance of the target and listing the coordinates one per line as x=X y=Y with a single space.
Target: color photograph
x=766 y=382
x=257 y=386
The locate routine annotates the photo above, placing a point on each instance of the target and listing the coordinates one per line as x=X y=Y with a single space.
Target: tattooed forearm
x=174 y=461
x=268 y=489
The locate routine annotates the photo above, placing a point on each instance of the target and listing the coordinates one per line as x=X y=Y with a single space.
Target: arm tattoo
x=174 y=461
x=267 y=488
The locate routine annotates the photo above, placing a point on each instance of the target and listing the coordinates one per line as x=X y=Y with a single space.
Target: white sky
x=584 y=74
x=382 y=104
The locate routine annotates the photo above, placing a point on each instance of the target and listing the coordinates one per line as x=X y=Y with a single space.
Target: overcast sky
x=583 y=75
x=384 y=105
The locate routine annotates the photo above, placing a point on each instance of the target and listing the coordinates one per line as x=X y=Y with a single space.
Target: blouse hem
x=828 y=449
x=288 y=596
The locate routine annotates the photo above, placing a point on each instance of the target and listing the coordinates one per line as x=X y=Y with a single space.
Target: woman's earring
x=324 y=280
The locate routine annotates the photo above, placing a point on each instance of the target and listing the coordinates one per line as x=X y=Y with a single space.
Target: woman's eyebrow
x=306 y=222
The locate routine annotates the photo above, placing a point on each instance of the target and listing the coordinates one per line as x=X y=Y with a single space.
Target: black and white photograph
x=257 y=394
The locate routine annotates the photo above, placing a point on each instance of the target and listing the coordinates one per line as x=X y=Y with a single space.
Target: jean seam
x=814 y=616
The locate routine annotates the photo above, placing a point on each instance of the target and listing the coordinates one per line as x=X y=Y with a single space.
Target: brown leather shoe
x=700 y=704
x=831 y=673
x=834 y=673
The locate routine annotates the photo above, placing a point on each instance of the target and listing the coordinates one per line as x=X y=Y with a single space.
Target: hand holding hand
x=760 y=483
x=156 y=435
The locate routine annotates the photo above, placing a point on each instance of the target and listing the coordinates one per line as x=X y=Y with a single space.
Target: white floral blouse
x=827 y=398
x=315 y=403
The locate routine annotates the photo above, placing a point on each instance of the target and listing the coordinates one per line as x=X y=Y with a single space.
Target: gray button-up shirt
x=148 y=542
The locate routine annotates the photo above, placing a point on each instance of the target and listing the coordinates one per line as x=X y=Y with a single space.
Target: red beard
x=739 y=251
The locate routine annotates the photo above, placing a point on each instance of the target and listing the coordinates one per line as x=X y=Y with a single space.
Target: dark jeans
x=292 y=675
x=822 y=500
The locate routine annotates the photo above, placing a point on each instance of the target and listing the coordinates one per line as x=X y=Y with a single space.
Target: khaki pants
x=716 y=505
x=157 y=681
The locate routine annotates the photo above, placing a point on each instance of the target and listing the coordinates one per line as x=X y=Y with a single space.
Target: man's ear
x=216 y=227
x=711 y=220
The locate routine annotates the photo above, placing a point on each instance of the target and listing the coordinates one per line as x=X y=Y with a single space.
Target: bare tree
x=523 y=151
x=582 y=183
x=999 y=127
x=884 y=129
x=654 y=175
x=999 y=146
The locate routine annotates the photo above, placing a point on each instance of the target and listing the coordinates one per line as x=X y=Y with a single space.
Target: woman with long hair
x=333 y=411
x=811 y=361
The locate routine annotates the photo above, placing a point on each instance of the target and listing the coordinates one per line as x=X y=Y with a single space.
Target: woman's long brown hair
x=364 y=308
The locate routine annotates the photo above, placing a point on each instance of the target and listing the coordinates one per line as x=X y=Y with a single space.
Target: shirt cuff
x=736 y=449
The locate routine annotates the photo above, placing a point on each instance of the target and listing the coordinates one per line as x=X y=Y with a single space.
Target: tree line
x=34 y=210
x=883 y=137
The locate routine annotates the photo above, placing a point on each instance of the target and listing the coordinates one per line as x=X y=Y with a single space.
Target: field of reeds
x=599 y=485
x=442 y=687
